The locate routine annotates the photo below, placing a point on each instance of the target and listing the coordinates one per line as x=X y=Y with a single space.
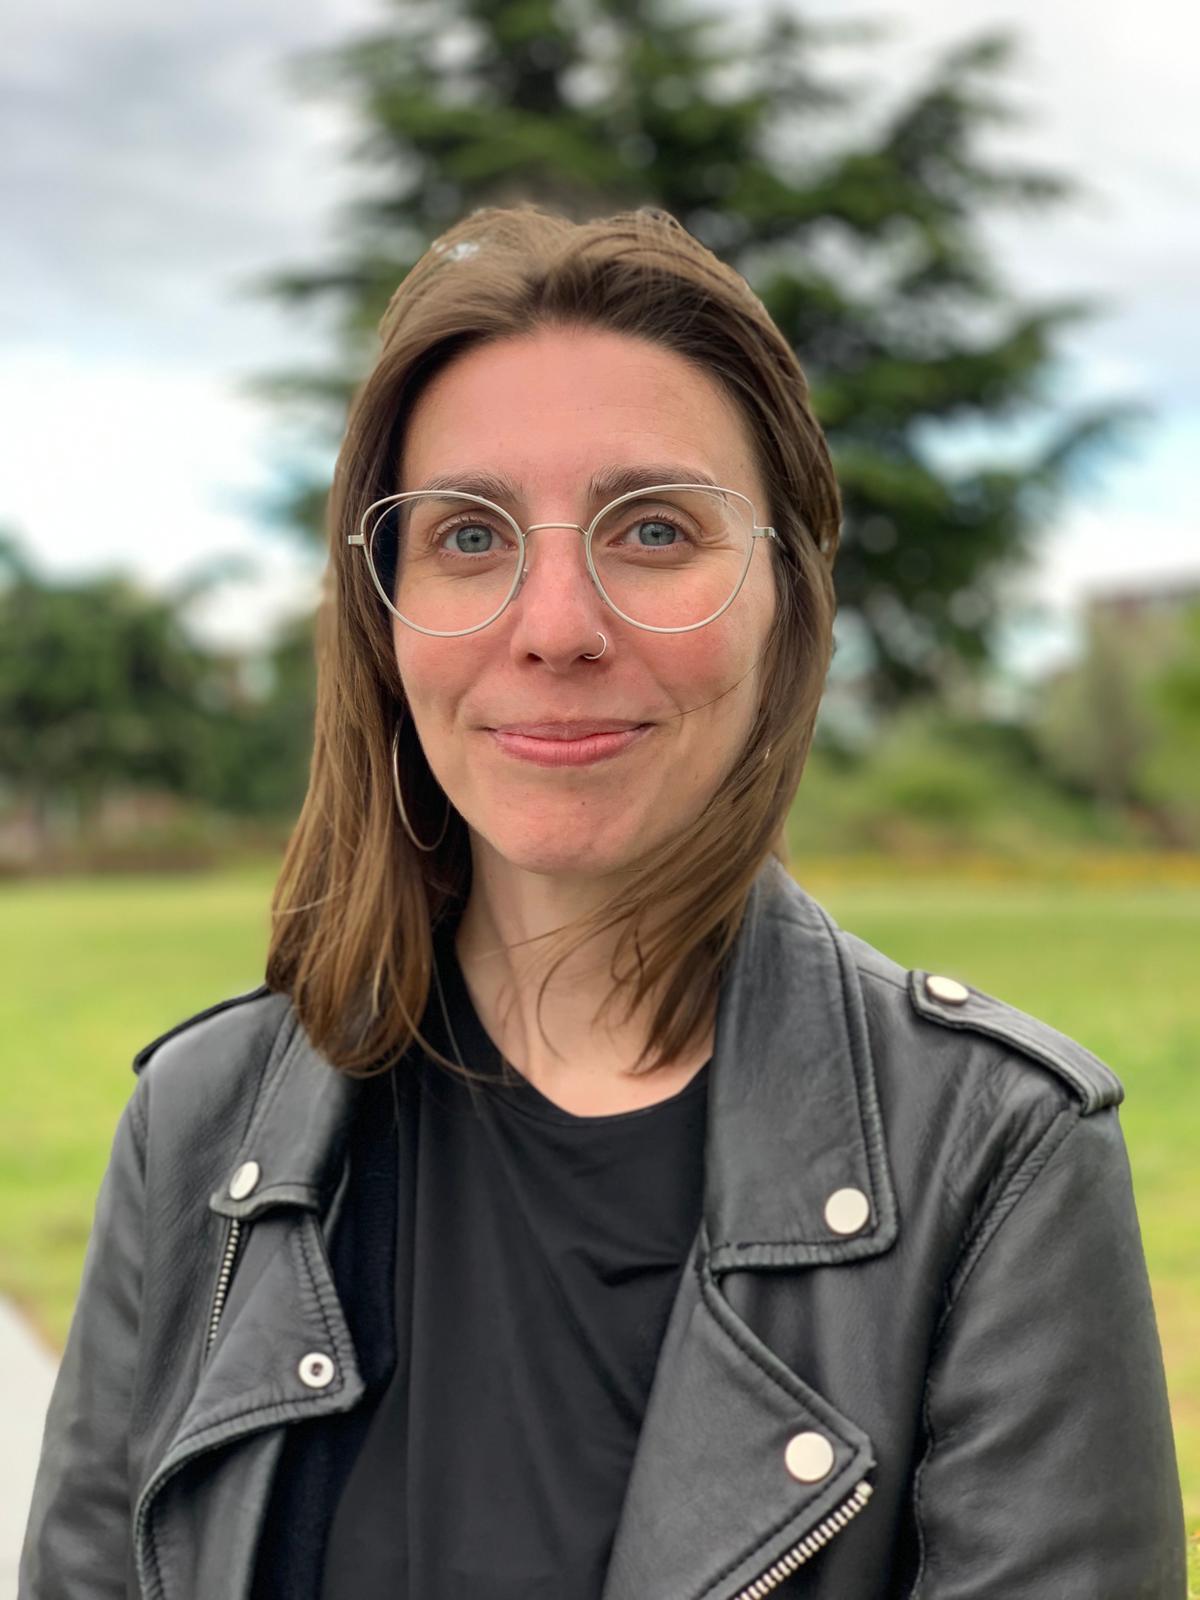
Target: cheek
x=719 y=660
x=719 y=673
x=435 y=673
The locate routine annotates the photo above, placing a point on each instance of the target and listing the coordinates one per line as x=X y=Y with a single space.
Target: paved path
x=26 y=1377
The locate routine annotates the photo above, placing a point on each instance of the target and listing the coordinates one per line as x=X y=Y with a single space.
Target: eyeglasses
x=668 y=558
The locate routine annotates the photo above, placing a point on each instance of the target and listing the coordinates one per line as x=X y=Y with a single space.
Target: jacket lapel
x=793 y=1107
x=793 y=1119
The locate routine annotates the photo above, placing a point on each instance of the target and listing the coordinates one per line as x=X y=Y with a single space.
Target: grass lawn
x=96 y=967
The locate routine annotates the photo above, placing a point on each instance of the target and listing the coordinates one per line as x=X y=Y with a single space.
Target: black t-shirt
x=533 y=1257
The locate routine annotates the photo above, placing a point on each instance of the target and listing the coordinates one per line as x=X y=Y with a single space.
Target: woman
x=576 y=1211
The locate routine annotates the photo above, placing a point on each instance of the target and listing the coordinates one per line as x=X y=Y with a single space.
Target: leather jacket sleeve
x=1050 y=1469
x=78 y=1537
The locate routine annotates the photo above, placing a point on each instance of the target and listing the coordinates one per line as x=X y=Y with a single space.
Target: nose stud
x=602 y=649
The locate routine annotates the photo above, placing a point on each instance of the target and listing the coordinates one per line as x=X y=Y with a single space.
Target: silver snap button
x=847 y=1210
x=947 y=989
x=316 y=1369
x=809 y=1457
x=244 y=1180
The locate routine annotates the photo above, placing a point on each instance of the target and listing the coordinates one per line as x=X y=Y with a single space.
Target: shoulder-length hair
x=355 y=905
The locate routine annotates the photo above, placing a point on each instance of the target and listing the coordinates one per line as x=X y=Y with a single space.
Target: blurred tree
x=261 y=750
x=1093 y=720
x=1122 y=725
x=96 y=689
x=864 y=242
x=1171 y=777
x=102 y=689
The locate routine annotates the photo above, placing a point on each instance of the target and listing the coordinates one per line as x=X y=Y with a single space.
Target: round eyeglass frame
x=364 y=539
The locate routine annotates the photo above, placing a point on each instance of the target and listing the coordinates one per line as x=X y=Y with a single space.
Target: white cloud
x=1099 y=549
x=153 y=160
x=120 y=466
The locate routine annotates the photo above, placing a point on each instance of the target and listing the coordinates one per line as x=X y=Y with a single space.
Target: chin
x=562 y=850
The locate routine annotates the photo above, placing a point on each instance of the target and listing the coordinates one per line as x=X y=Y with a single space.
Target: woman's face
x=547 y=411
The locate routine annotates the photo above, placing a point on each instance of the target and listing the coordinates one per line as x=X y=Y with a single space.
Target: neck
x=504 y=950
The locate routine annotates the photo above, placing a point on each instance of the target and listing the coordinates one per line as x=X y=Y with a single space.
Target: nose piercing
x=602 y=649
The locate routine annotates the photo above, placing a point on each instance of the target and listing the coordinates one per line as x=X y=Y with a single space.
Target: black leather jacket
x=912 y=1356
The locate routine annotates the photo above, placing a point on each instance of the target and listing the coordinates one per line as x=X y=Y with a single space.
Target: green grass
x=94 y=968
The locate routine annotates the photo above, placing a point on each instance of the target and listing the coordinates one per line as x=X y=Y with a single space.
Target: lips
x=565 y=730
x=568 y=744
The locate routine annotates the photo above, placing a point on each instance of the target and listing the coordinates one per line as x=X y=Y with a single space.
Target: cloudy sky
x=153 y=160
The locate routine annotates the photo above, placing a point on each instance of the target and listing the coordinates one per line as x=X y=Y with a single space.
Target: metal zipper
x=223 y=1277
x=820 y=1536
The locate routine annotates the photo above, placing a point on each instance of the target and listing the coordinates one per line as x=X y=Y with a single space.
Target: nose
x=558 y=609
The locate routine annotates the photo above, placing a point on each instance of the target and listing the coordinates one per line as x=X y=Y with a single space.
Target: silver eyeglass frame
x=362 y=538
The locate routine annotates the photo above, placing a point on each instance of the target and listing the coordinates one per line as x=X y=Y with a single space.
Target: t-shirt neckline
x=481 y=1054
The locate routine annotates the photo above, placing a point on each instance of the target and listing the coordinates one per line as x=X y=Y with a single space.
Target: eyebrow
x=606 y=484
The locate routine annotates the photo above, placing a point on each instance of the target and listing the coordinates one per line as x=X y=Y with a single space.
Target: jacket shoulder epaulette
x=957 y=1005
x=144 y=1054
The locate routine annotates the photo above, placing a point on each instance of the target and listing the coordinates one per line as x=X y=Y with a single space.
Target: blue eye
x=471 y=539
x=660 y=528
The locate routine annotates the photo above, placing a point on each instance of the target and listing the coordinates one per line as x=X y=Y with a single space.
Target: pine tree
x=865 y=245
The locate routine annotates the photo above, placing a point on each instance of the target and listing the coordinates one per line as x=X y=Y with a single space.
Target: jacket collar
x=794 y=1115
x=793 y=1108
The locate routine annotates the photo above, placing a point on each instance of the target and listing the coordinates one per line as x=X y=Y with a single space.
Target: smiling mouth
x=565 y=730
x=564 y=744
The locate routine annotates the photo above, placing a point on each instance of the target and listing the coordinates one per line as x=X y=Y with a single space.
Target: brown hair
x=355 y=904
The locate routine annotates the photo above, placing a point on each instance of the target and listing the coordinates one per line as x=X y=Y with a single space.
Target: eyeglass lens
x=667 y=559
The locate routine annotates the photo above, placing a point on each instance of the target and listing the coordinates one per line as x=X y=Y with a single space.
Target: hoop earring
x=404 y=822
x=602 y=649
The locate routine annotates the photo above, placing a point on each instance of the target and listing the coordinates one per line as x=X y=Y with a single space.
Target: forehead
x=561 y=407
